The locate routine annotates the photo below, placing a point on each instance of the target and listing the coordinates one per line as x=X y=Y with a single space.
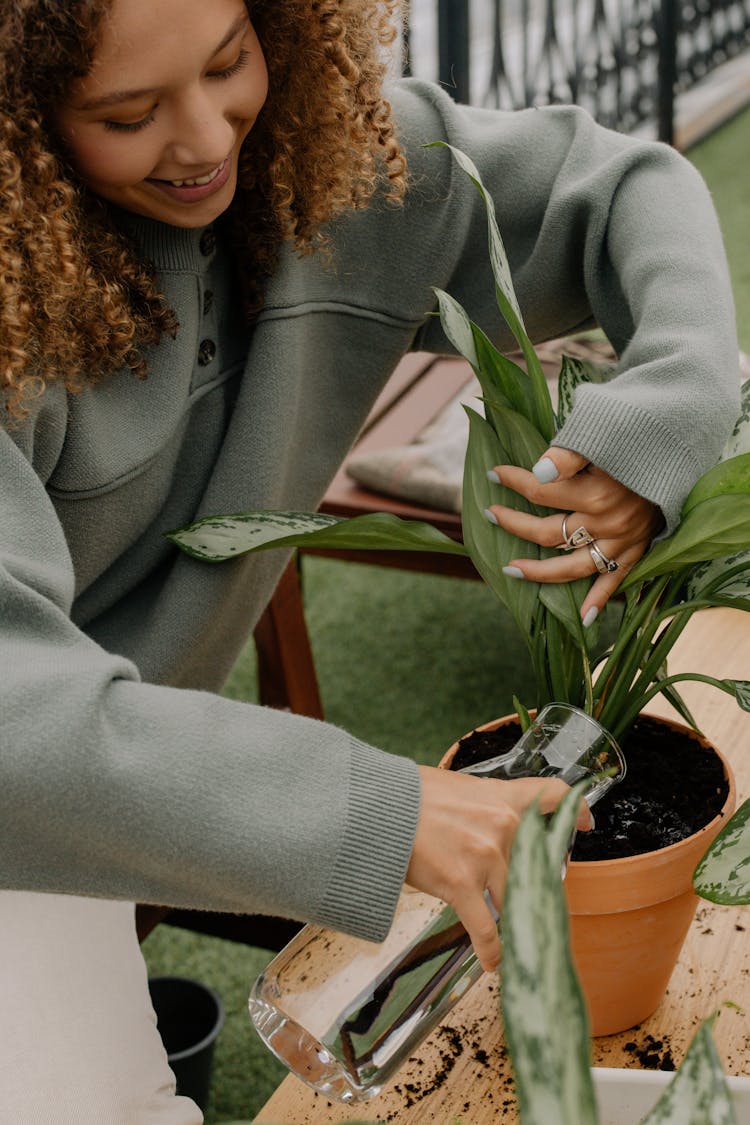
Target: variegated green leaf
x=217 y=538
x=489 y=545
x=573 y=372
x=544 y=417
x=739 y=439
x=498 y=257
x=736 y=581
x=457 y=326
x=546 y=1024
x=698 y=1093
x=723 y=875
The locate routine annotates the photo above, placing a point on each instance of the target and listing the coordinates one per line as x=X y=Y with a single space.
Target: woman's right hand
x=462 y=844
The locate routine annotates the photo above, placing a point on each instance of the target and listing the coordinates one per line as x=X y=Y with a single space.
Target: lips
x=193 y=189
x=199 y=180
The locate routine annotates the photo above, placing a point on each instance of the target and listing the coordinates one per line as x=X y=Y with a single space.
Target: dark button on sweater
x=206 y=352
x=208 y=242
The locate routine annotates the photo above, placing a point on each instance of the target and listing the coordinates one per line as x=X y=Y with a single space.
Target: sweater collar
x=171 y=248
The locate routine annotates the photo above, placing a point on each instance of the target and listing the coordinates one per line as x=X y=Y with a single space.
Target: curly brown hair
x=76 y=302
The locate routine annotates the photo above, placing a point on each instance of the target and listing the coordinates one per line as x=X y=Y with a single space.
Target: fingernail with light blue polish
x=488 y=515
x=492 y=475
x=590 y=616
x=545 y=470
x=513 y=572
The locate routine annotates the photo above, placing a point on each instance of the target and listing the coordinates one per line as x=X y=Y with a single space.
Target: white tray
x=626 y=1096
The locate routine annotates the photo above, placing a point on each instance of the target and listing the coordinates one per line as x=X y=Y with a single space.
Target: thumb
x=558 y=464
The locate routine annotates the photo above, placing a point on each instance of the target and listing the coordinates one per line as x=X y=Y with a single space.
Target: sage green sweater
x=123 y=773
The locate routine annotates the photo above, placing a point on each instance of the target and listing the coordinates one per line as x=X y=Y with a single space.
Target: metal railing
x=623 y=60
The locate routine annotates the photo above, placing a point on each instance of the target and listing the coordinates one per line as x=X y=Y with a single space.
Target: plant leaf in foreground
x=217 y=538
x=723 y=875
x=698 y=1093
x=545 y=1017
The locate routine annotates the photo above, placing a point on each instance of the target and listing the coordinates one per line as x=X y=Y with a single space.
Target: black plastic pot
x=189 y=1016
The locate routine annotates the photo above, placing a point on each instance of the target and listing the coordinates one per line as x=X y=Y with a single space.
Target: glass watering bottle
x=343 y=1013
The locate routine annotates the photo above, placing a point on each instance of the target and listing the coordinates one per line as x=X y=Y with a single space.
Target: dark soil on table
x=672 y=788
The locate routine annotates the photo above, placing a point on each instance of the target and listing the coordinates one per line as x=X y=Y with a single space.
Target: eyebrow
x=118 y=96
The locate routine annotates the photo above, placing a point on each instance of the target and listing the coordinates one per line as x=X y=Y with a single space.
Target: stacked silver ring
x=601 y=562
x=578 y=538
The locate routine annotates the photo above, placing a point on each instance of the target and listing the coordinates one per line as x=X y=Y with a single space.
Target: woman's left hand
x=608 y=526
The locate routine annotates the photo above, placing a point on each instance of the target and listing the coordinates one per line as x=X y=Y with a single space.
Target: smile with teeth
x=199 y=181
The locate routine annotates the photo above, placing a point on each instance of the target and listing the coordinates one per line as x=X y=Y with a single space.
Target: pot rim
x=623 y=862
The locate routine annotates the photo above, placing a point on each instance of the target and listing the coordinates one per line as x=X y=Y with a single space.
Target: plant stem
x=631 y=714
x=619 y=668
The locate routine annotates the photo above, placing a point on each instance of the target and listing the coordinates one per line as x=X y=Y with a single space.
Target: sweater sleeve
x=600 y=229
x=116 y=788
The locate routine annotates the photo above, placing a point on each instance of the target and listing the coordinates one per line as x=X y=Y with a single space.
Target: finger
x=589 y=493
x=548 y=792
x=606 y=584
x=546 y=531
x=558 y=464
x=477 y=919
x=566 y=568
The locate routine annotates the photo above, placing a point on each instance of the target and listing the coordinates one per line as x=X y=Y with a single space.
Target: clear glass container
x=342 y=1013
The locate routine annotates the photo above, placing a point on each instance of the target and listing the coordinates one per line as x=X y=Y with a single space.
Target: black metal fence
x=624 y=60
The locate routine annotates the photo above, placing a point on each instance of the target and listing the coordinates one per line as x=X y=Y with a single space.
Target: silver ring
x=578 y=538
x=601 y=562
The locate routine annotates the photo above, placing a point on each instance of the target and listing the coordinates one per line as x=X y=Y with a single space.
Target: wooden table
x=462 y=1070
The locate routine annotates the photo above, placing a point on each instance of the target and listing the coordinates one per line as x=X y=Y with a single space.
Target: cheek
x=109 y=159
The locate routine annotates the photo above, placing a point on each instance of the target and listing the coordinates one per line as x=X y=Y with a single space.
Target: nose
x=203 y=131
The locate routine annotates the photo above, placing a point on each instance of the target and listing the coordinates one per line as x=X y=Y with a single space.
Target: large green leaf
x=217 y=538
x=723 y=875
x=725 y=479
x=524 y=443
x=712 y=529
x=546 y=1024
x=489 y=545
x=698 y=1094
x=503 y=375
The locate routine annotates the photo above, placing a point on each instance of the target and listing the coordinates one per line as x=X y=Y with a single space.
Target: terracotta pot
x=629 y=917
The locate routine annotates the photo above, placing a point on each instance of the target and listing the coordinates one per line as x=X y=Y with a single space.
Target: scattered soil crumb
x=652 y=1054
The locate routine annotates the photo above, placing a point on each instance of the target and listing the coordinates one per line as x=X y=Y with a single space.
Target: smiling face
x=157 y=125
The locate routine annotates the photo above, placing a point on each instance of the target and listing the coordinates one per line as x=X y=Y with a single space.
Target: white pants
x=79 y=1041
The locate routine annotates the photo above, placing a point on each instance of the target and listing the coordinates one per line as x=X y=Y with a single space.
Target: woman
x=167 y=354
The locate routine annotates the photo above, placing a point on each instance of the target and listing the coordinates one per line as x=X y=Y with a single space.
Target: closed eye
x=130 y=126
x=228 y=71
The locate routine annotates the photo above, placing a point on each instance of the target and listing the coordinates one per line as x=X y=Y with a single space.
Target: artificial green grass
x=408 y=662
x=720 y=159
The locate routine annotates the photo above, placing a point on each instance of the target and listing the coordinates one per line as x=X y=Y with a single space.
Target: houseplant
x=705 y=562
x=544 y=1014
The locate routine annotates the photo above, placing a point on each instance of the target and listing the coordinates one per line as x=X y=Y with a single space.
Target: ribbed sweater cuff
x=634 y=447
x=384 y=799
